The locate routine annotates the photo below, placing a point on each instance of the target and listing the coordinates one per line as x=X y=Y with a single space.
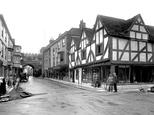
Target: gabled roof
x=75 y=31
x=151 y=31
x=75 y=34
x=112 y=25
x=89 y=33
x=130 y=22
x=119 y=27
x=76 y=41
x=116 y=26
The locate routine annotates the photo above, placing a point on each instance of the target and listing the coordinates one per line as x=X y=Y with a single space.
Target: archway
x=29 y=69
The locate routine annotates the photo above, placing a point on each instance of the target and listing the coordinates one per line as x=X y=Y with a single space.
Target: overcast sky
x=33 y=22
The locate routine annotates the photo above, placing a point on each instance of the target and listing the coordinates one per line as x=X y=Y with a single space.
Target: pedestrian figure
x=14 y=79
x=110 y=82
x=115 y=81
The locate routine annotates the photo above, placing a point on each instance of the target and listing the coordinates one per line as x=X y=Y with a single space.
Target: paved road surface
x=60 y=99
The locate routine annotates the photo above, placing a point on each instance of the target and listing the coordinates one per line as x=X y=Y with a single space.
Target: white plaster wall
x=122 y=44
x=80 y=55
x=106 y=55
x=80 y=75
x=92 y=58
x=149 y=56
x=125 y=56
x=72 y=63
x=87 y=52
x=149 y=47
x=105 y=42
x=114 y=43
x=143 y=57
x=141 y=45
x=114 y=55
x=69 y=65
x=93 y=48
x=84 y=61
x=75 y=56
x=98 y=57
x=75 y=79
x=134 y=46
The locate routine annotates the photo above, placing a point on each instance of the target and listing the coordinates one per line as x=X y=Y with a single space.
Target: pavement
x=125 y=87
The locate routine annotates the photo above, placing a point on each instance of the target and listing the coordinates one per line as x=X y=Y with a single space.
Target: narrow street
x=53 y=98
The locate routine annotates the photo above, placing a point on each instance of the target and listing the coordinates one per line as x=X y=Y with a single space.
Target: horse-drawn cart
x=23 y=77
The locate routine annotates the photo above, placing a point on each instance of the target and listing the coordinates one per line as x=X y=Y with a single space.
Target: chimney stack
x=82 y=24
x=51 y=40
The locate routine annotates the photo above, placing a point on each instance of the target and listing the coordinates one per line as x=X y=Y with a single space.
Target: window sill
x=99 y=54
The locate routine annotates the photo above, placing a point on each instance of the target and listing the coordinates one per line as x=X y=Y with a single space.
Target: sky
x=32 y=23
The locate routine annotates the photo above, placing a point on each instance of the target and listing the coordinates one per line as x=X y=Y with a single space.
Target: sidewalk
x=120 y=87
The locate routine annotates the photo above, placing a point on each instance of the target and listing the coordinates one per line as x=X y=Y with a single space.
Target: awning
x=56 y=67
x=63 y=66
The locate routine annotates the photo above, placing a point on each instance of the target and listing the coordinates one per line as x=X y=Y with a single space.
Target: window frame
x=72 y=57
x=63 y=42
x=97 y=46
x=83 y=54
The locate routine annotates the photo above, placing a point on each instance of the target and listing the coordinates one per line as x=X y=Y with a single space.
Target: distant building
x=7 y=45
x=55 y=55
x=17 y=58
x=6 y=49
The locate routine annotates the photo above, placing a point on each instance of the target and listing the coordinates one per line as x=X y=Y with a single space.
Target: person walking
x=115 y=80
x=110 y=82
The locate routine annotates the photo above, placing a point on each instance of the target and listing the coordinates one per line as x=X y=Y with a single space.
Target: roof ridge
x=110 y=17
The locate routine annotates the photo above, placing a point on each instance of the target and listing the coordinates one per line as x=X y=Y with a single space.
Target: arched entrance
x=29 y=69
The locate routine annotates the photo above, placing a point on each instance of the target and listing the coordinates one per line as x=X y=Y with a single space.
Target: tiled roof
x=120 y=27
x=89 y=33
x=75 y=31
x=129 y=22
x=151 y=31
x=75 y=34
x=112 y=25
x=116 y=26
x=76 y=41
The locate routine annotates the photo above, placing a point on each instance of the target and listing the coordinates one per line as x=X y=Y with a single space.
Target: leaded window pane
x=132 y=34
x=138 y=35
x=142 y=29
x=135 y=27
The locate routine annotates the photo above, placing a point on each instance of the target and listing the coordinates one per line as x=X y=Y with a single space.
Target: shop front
x=134 y=73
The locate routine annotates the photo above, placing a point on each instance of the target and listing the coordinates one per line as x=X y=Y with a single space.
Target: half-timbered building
x=80 y=50
x=117 y=45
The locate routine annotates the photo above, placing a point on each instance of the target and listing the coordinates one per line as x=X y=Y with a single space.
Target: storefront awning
x=56 y=67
